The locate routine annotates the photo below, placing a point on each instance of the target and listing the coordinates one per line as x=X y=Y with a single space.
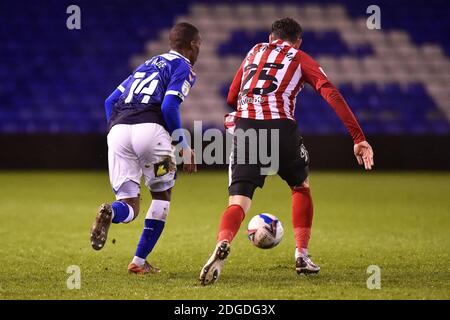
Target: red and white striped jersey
x=269 y=79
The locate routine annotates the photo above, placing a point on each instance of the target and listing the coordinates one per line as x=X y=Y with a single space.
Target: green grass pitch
x=400 y=222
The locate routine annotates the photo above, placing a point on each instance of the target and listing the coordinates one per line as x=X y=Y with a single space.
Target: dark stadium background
x=53 y=81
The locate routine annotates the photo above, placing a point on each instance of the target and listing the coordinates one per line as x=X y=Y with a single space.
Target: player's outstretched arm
x=171 y=112
x=316 y=77
x=362 y=149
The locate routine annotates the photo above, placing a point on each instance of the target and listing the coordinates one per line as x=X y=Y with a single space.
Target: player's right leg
x=154 y=224
x=152 y=144
x=238 y=206
x=244 y=178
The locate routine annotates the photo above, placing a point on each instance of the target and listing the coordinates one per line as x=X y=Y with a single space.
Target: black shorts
x=246 y=164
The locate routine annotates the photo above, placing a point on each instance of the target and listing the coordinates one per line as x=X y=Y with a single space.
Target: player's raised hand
x=189 y=164
x=364 y=154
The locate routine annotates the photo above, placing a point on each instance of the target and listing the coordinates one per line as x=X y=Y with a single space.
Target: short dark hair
x=182 y=34
x=287 y=29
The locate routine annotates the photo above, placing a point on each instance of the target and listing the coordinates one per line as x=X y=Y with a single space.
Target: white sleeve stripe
x=121 y=88
x=175 y=93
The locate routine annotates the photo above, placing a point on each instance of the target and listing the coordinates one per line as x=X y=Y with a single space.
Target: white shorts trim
x=128 y=189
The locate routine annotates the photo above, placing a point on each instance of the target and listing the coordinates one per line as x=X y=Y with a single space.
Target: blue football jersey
x=144 y=90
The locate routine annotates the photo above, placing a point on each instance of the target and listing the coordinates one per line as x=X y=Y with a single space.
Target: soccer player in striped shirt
x=264 y=92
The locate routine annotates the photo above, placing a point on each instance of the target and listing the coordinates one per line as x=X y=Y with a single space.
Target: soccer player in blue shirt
x=142 y=114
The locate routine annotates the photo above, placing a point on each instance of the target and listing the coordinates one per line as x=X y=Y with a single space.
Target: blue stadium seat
x=55 y=80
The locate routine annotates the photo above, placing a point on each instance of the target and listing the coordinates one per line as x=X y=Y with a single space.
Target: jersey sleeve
x=124 y=84
x=334 y=98
x=114 y=97
x=312 y=72
x=235 y=87
x=181 y=81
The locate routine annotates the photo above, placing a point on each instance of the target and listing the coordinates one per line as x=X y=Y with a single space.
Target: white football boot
x=304 y=264
x=211 y=271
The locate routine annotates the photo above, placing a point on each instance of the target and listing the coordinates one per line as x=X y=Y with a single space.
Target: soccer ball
x=265 y=231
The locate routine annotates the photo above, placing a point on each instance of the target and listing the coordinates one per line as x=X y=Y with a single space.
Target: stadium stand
x=53 y=80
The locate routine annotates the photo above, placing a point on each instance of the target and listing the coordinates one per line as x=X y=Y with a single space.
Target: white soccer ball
x=265 y=231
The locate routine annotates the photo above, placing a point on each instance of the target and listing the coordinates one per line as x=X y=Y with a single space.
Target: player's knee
x=241 y=193
x=304 y=184
x=242 y=201
x=162 y=195
x=159 y=210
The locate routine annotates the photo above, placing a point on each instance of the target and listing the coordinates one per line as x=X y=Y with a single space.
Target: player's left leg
x=124 y=210
x=302 y=217
x=125 y=175
x=294 y=169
